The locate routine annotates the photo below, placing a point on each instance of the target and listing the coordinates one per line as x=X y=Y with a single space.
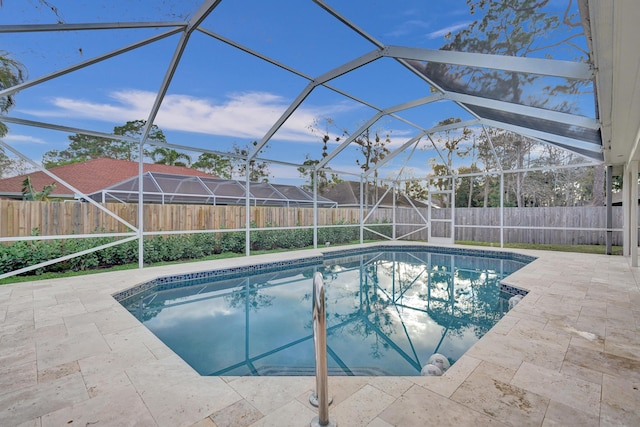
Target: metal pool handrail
x=320 y=341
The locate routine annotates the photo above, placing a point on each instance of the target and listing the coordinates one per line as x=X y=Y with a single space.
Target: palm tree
x=30 y=193
x=11 y=73
x=169 y=156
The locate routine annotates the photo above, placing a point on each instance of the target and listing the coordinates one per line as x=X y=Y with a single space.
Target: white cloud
x=408 y=27
x=450 y=29
x=285 y=174
x=23 y=139
x=290 y=175
x=398 y=138
x=247 y=115
x=242 y=115
x=414 y=26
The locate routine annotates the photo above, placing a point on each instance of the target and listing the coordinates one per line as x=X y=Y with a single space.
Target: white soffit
x=615 y=32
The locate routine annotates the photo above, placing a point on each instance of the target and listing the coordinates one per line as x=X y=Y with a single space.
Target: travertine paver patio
x=568 y=354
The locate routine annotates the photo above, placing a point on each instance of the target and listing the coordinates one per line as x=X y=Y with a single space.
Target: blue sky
x=220 y=96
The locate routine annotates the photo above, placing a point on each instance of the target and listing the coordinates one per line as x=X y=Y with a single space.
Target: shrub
x=383 y=227
x=232 y=241
x=173 y=247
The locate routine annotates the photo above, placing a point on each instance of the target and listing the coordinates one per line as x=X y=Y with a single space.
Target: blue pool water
x=387 y=312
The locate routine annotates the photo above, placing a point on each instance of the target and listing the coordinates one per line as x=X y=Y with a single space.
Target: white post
x=315 y=208
x=633 y=210
x=393 y=235
x=626 y=212
x=247 y=206
x=361 y=210
x=609 y=210
x=453 y=209
x=429 y=201
x=501 y=209
x=140 y=205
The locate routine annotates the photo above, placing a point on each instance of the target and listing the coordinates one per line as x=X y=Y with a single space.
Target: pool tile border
x=513 y=290
x=167 y=281
x=435 y=249
x=172 y=281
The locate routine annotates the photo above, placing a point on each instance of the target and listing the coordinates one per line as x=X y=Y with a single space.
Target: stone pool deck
x=568 y=354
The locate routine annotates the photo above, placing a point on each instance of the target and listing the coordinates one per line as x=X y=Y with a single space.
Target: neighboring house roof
x=88 y=177
x=347 y=193
x=182 y=189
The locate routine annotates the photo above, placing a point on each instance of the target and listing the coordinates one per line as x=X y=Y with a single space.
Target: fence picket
x=19 y=218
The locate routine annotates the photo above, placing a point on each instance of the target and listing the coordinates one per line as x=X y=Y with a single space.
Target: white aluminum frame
x=566 y=69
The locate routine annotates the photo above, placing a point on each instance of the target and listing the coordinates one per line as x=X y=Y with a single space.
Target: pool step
x=274 y=370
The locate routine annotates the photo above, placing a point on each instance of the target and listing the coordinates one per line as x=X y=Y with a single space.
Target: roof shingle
x=89 y=176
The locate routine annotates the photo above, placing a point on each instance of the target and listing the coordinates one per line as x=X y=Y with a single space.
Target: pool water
x=387 y=312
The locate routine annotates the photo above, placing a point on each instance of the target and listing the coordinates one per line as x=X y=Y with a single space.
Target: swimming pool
x=388 y=310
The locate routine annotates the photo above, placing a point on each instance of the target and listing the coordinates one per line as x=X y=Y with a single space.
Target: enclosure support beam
x=403 y=148
x=336 y=72
x=315 y=208
x=164 y=86
x=347 y=22
x=361 y=209
x=429 y=207
x=140 y=205
x=493 y=148
x=545 y=67
x=632 y=211
x=65 y=183
x=348 y=141
x=393 y=233
x=17 y=88
x=453 y=209
x=587 y=149
x=525 y=110
x=626 y=199
x=609 y=237
x=502 y=209
x=247 y=222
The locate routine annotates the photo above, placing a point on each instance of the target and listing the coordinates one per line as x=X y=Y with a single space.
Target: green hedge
x=176 y=247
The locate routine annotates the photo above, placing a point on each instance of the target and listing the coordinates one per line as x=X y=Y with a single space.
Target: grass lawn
x=584 y=249
x=56 y=275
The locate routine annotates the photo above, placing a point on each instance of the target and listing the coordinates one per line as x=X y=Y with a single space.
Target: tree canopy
x=86 y=147
x=370 y=144
x=12 y=73
x=526 y=28
x=214 y=164
x=514 y=28
x=169 y=156
x=30 y=193
x=257 y=170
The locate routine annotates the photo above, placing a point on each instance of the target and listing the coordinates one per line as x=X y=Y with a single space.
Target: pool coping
x=172 y=282
x=567 y=353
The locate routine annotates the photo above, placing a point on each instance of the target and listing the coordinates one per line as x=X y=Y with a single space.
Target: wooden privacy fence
x=573 y=225
x=20 y=218
x=565 y=225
